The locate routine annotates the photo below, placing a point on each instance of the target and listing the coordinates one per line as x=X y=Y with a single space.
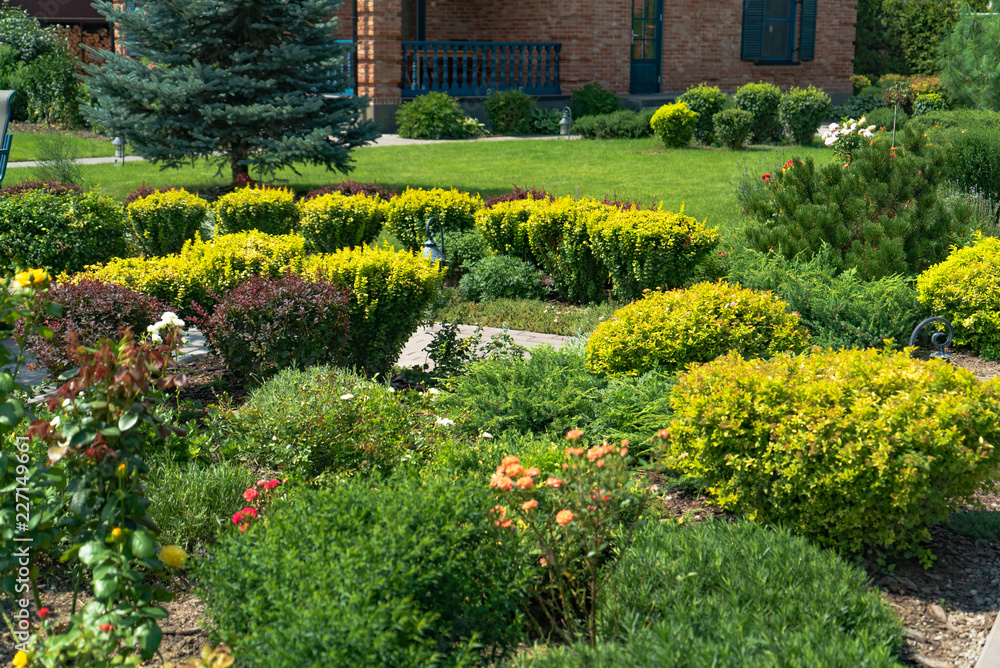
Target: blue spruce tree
x=243 y=83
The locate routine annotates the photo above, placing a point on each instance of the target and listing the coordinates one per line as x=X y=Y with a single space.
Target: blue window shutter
x=752 y=45
x=807 y=35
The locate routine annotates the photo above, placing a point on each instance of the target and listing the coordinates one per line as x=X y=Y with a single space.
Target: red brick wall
x=701 y=40
x=379 y=50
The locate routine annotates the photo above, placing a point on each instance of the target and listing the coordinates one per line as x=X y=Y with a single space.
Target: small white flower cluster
x=835 y=131
x=168 y=319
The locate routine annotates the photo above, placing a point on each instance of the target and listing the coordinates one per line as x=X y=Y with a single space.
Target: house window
x=779 y=29
x=772 y=27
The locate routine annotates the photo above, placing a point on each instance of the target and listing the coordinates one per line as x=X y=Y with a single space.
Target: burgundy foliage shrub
x=143 y=191
x=353 y=188
x=518 y=193
x=53 y=187
x=267 y=324
x=94 y=310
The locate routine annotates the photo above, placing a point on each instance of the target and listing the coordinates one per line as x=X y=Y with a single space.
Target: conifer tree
x=243 y=83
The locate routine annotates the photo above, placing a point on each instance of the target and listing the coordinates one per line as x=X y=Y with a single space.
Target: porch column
x=380 y=57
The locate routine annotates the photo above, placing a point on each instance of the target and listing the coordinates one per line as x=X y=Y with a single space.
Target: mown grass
x=529 y=315
x=703 y=180
x=26 y=146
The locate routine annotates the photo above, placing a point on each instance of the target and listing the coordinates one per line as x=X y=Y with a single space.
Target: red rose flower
x=43 y=613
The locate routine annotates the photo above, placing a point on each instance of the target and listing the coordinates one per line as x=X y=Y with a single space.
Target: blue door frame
x=646 y=46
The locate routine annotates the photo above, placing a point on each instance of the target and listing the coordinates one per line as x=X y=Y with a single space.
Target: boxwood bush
x=400 y=574
x=773 y=600
x=761 y=100
x=61 y=232
x=509 y=112
x=624 y=124
x=706 y=101
x=965 y=288
x=801 y=110
x=268 y=324
x=268 y=210
x=309 y=421
x=855 y=449
x=669 y=330
x=733 y=127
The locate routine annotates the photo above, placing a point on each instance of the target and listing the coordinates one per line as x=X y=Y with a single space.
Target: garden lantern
x=119 y=145
x=431 y=249
x=566 y=123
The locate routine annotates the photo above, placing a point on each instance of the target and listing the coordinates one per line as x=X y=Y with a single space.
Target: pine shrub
x=706 y=101
x=669 y=330
x=882 y=215
x=774 y=600
x=855 y=449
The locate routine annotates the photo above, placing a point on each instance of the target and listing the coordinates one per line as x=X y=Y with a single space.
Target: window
x=769 y=30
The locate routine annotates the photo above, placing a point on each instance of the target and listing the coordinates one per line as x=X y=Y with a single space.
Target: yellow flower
x=122 y=468
x=115 y=533
x=20 y=659
x=31 y=277
x=173 y=556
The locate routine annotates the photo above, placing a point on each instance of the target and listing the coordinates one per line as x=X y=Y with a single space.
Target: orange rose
x=530 y=504
x=564 y=517
x=574 y=434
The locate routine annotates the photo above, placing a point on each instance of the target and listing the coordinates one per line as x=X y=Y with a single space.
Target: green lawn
x=25 y=146
x=703 y=180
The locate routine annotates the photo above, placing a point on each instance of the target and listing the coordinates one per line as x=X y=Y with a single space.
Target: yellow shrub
x=204 y=268
x=855 y=449
x=965 y=288
x=163 y=221
x=557 y=232
x=268 y=210
x=504 y=227
x=389 y=292
x=649 y=249
x=672 y=329
x=334 y=221
x=408 y=213
x=674 y=124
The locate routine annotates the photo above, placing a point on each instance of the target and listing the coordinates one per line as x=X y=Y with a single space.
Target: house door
x=647 y=29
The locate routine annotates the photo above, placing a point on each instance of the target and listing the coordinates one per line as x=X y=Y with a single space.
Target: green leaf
x=11 y=413
x=106 y=588
x=142 y=545
x=127 y=421
x=149 y=638
x=154 y=612
x=92 y=553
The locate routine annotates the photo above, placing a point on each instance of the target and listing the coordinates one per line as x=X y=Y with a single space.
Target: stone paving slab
x=414 y=352
x=990 y=658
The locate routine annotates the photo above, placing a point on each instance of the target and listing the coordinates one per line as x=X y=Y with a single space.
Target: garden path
x=414 y=352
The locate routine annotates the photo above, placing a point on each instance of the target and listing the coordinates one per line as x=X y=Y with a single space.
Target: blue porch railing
x=473 y=68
